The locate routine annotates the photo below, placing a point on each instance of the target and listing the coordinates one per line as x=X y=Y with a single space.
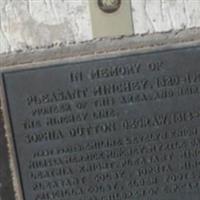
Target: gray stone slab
x=118 y=127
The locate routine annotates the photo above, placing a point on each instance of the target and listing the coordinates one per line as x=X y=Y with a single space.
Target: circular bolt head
x=109 y=6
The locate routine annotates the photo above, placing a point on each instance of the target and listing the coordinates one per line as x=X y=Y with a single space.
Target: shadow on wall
x=6 y=187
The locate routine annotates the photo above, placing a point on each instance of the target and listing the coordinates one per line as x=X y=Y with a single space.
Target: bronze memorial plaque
x=119 y=128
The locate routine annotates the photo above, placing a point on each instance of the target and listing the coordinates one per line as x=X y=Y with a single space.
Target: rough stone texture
x=36 y=23
x=101 y=47
x=165 y=15
x=32 y=23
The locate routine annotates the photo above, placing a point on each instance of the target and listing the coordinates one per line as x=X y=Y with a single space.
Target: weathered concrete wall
x=36 y=23
x=164 y=15
x=31 y=23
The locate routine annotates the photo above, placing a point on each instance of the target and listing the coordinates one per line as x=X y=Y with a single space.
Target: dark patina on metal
x=116 y=128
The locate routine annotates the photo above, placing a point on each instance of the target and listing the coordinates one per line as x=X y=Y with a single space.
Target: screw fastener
x=109 y=6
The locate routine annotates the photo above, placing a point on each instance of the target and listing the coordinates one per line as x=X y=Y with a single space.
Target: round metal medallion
x=109 y=6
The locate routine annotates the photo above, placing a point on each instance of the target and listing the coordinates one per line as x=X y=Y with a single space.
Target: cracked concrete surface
x=35 y=23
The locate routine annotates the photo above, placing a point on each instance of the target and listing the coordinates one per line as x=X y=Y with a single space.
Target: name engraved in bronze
x=122 y=128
